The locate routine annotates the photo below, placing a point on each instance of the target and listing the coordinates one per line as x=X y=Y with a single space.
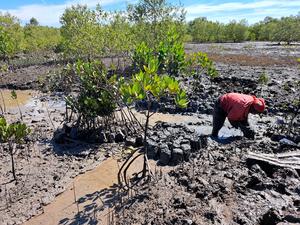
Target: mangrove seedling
x=147 y=85
x=12 y=134
x=263 y=81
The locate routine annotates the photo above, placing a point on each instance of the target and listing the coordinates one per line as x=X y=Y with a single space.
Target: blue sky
x=48 y=12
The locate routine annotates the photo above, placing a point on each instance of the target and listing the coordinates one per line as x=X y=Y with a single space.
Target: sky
x=48 y=12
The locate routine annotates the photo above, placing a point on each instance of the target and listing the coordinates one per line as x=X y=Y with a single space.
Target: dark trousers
x=219 y=116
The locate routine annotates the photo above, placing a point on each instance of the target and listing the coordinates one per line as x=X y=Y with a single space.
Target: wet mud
x=215 y=184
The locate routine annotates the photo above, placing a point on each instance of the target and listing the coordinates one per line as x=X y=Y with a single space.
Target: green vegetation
x=203 y=30
x=82 y=32
x=263 y=80
x=11 y=37
x=149 y=86
x=13 y=134
x=31 y=38
x=40 y=38
x=153 y=19
x=198 y=64
x=286 y=29
x=170 y=55
x=95 y=97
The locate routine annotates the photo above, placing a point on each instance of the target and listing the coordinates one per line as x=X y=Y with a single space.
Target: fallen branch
x=288 y=160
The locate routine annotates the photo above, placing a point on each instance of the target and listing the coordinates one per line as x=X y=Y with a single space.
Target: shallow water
x=7 y=102
x=89 y=198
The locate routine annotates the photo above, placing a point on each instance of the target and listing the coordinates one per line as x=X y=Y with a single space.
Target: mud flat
x=45 y=169
x=216 y=185
x=42 y=170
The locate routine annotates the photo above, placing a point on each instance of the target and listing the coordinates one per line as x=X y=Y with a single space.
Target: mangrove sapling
x=95 y=98
x=263 y=81
x=141 y=56
x=14 y=96
x=148 y=85
x=170 y=54
x=13 y=134
x=199 y=63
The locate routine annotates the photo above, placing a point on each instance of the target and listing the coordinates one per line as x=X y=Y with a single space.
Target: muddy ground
x=219 y=185
x=215 y=185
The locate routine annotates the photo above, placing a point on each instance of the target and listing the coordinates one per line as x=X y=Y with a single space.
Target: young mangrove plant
x=13 y=95
x=141 y=56
x=169 y=53
x=95 y=98
x=263 y=80
x=198 y=64
x=149 y=86
x=13 y=134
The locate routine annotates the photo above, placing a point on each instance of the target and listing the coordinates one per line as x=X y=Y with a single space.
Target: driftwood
x=288 y=159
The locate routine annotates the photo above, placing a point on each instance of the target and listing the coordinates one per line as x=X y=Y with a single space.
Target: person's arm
x=245 y=122
x=245 y=128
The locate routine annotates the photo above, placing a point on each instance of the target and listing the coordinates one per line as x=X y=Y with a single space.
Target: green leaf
x=13 y=94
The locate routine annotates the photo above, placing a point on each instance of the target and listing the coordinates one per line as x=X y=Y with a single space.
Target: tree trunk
x=145 y=139
x=12 y=161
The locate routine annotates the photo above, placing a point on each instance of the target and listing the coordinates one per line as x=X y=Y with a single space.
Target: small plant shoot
x=12 y=134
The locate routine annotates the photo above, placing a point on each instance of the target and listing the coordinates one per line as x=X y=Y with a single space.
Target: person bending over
x=236 y=108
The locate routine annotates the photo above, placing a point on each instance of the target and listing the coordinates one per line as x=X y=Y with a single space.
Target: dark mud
x=218 y=185
x=212 y=184
x=44 y=169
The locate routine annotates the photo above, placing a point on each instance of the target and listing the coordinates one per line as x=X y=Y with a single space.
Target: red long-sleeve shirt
x=236 y=105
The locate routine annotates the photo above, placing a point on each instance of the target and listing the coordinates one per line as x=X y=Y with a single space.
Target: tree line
x=86 y=33
x=285 y=29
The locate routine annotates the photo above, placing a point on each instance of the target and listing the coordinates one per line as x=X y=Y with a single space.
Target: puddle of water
x=94 y=190
x=170 y=118
x=64 y=208
x=23 y=97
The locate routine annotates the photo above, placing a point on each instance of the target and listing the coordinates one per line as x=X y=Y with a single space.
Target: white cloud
x=233 y=6
x=49 y=14
x=256 y=10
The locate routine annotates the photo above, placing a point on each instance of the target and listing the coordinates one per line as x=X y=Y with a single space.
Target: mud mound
x=173 y=143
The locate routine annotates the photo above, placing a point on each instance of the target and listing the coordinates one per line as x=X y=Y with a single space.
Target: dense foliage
x=203 y=30
x=153 y=19
x=285 y=29
x=11 y=36
x=32 y=37
x=95 y=97
x=169 y=54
